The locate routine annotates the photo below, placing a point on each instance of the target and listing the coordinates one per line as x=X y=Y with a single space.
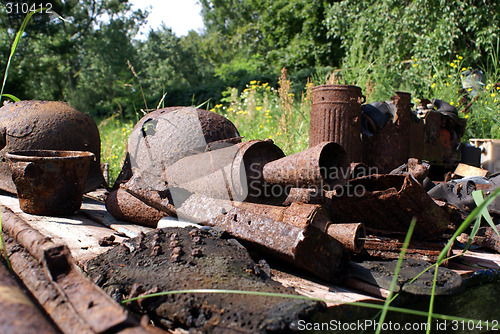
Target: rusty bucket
x=50 y=183
x=336 y=116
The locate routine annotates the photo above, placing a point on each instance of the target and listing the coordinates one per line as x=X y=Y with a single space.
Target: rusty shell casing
x=350 y=235
x=390 y=147
x=324 y=165
x=47 y=125
x=124 y=206
x=388 y=203
x=232 y=173
x=337 y=117
x=306 y=248
x=50 y=183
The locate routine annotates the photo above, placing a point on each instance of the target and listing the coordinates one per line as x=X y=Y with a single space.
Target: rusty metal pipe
x=324 y=165
x=350 y=235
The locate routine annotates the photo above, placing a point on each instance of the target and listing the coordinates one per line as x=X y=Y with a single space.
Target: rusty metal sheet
x=47 y=125
x=324 y=165
x=50 y=183
x=336 y=116
x=19 y=313
x=388 y=203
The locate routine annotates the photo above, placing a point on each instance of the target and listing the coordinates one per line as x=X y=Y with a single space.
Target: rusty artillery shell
x=233 y=173
x=336 y=116
x=324 y=165
x=350 y=235
x=307 y=248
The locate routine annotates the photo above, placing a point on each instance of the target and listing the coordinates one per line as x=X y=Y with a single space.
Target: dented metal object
x=123 y=206
x=418 y=169
x=49 y=183
x=387 y=203
x=47 y=125
x=307 y=248
x=324 y=165
x=164 y=136
x=336 y=116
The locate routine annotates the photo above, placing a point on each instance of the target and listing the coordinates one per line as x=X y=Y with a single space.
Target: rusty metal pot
x=47 y=125
x=50 y=183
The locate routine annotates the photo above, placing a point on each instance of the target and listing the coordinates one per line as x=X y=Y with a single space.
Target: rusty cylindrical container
x=50 y=183
x=324 y=165
x=336 y=116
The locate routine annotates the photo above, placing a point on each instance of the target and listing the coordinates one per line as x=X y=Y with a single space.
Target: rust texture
x=389 y=147
x=91 y=307
x=324 y=165
x=350 y=235
x=418 y=169
x=336 y=116
x=50 y=183
x=487 y=237
x=390 y=249
x=156 y=199
x=19 y=314
x=47 y=125
x=123 y=206
x=306 y=248
x=388 y=203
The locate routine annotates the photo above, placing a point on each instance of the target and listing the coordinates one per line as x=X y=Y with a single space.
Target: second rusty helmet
x=47 y=125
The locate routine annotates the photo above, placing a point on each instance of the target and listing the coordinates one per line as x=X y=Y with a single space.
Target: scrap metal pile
x=370 y=169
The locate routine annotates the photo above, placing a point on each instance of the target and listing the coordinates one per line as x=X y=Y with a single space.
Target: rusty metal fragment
x=350 y=235
x=324 y=165
x=418 y=169
x=19 y=314
x=306 y=248
x=390 y=249
x=336 y=117
x=124 y=206
x=486 y=237
x=50 y=183
x=159 y=200
x=388 y=147
x=89 y=307
x=47 y=125
x=387 y=203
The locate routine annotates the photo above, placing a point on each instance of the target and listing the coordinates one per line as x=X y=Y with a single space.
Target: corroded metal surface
x=350 y=235
x=50 y=183
x=324 y=165
x=418 y=169
x=388 y=203
x=47 y=125
x=389 y=147
x=336 y=116
x=19 y=314
x=123 y=206
x=306 y=248
x=390 y=249
x=188 y=258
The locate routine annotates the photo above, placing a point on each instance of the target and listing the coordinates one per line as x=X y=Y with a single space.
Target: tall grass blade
x=479 y=198
x=388 y=300
x=12 y=97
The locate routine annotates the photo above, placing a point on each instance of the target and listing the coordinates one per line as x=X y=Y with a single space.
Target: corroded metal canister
x=336 y=116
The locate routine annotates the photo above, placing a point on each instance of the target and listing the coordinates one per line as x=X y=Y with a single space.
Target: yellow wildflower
x=253 y=82
x=467 y=116
x=460 y=57
x=230 y=109
x=265 y=84
x=493 y=94
x=258 y=108
x=452 y=103
x=433 y=85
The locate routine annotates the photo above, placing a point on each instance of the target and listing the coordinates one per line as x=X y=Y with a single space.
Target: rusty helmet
x=166 y=135
x=47 y=125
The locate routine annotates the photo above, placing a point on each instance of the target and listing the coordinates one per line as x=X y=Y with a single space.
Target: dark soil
x=189 y=258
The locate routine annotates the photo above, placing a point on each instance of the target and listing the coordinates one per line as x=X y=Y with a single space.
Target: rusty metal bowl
x=49 y=183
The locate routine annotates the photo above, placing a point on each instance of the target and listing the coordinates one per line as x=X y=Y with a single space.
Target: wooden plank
x=80 y=233
x=335 y=294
